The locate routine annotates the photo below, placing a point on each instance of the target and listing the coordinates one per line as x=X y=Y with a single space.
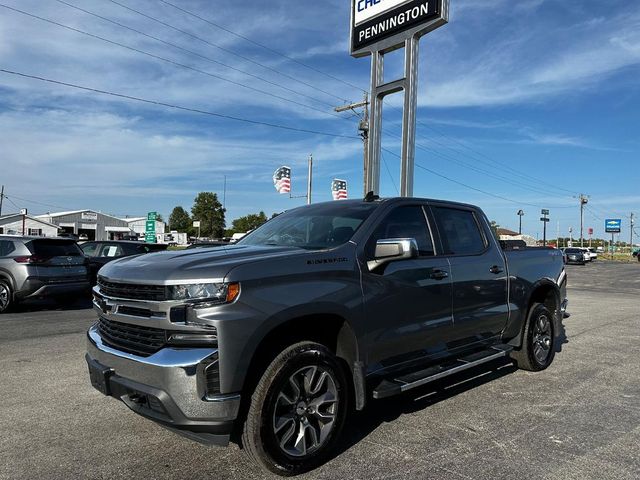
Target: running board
x=395 y=386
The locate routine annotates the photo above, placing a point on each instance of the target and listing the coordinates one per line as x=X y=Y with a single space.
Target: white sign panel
x=196 y=224
x=89 y=216
x=367 y=9
x=382 y=24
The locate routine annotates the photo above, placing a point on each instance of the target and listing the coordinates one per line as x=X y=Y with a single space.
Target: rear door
x=408 y=302
x=478 y=273
x=58 y=260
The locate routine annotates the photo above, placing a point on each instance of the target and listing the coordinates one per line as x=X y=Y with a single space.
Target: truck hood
x=190 y=266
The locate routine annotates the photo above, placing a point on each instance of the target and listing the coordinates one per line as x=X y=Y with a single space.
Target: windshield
x=315 y=228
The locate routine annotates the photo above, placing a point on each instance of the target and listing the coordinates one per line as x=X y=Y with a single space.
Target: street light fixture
x=520 y=214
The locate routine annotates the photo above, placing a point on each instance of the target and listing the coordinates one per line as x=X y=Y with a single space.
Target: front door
x=407 y=302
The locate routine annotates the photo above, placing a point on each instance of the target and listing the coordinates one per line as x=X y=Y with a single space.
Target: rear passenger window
x=404 y=222
x=6 y=247
x=460 y=231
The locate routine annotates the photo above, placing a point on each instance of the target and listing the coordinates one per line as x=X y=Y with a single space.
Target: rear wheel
x=297 y=410
x=6 y=296
x=538 y=343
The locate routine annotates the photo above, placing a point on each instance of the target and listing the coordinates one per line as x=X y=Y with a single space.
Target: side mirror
x=393 y=249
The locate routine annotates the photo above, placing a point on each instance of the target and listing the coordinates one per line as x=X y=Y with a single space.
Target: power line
x=178 y=107
x=481 y=171
x=433 y=172
x=172 y=62
x=269 y=49
x=395 y=186
x=479 y=154
x=191 y=52
x=231 y=52
x=499 y=164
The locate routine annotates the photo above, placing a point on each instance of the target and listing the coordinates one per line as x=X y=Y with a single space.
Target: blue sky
x=533 y=101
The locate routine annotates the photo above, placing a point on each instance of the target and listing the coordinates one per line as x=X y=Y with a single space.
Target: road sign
x=590 y=231
x=545 y=212
x=544 y=219
x=612 y=225
x=196 y=224
x=384 y=23
x=150 y=228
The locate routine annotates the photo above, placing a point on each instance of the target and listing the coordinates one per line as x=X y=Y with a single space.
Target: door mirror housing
x=392 y=250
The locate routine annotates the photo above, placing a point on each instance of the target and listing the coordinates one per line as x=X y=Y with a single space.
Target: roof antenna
x=371 y=197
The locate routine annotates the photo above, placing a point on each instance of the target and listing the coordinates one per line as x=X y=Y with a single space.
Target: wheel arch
x=548 y=294
x=329 y=329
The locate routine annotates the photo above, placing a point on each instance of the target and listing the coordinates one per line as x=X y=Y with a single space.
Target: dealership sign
x=388 y=21
x=613 y=225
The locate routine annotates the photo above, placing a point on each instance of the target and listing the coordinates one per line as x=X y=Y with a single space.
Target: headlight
x=211 y=293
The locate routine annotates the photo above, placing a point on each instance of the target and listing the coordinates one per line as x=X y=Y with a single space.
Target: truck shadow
x=50 y=304
x=377 y=412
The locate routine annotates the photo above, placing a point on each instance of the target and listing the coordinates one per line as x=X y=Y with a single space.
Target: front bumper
x=165 y=387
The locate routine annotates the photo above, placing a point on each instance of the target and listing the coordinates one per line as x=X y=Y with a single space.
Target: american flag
x=339 y=190
x=282 y=180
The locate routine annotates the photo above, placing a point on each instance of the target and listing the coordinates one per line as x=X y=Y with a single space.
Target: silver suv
x=32 y=267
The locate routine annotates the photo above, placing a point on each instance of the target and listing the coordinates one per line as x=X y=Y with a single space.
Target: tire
x=538 y=343
x=304 y=389
x=6 y=297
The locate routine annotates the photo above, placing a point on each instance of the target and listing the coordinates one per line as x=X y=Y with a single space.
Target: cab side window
x=460 y=231
x=403 y=222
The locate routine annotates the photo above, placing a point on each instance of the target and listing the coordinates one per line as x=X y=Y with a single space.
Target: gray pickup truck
x=272 y=341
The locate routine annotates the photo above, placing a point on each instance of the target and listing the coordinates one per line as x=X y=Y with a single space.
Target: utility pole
x=310 y=181
x=520 y=214
x=584 y=199
x=224 y=195
x=631 y=241
x=363 y=127
x=1 y=199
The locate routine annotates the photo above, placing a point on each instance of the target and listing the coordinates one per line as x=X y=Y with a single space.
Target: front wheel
x=538 y=342
x=297 y=410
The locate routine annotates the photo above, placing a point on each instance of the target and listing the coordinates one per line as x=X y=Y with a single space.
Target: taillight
x=32 y=259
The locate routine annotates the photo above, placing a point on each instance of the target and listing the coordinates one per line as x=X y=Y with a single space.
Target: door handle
x=439 y=275
x=496 y=269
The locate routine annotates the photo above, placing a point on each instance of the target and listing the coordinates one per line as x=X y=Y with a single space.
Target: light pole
x=544 y=220
x=520 y=214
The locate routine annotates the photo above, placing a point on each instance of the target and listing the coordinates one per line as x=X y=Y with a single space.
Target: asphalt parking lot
x=580 y=419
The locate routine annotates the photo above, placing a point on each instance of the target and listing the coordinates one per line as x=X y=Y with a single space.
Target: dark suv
x=102 y=252
x=40 y=267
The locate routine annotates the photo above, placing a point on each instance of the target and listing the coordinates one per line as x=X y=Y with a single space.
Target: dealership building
x=19 y=224
x=89 y=224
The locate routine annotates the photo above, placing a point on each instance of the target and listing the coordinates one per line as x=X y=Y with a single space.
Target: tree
x=494 y=228
x=159 y=218
x=209 y=212
x=249 y=222
x=180 y=220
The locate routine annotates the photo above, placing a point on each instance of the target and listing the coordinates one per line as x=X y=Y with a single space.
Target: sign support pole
x=377 y=29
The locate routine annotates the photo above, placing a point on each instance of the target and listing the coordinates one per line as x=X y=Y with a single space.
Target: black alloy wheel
x=297 y=410
x=538 y=342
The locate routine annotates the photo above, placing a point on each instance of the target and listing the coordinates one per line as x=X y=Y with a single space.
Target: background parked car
x=594 y=253
x=102 y=252
x=588 y=257
x=574 y=256
x=40 y=267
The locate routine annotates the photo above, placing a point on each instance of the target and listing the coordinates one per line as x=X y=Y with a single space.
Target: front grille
x=132 y=291
x=141 y=341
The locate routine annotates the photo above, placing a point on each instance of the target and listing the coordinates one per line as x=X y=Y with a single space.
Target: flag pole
x=309 y=184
